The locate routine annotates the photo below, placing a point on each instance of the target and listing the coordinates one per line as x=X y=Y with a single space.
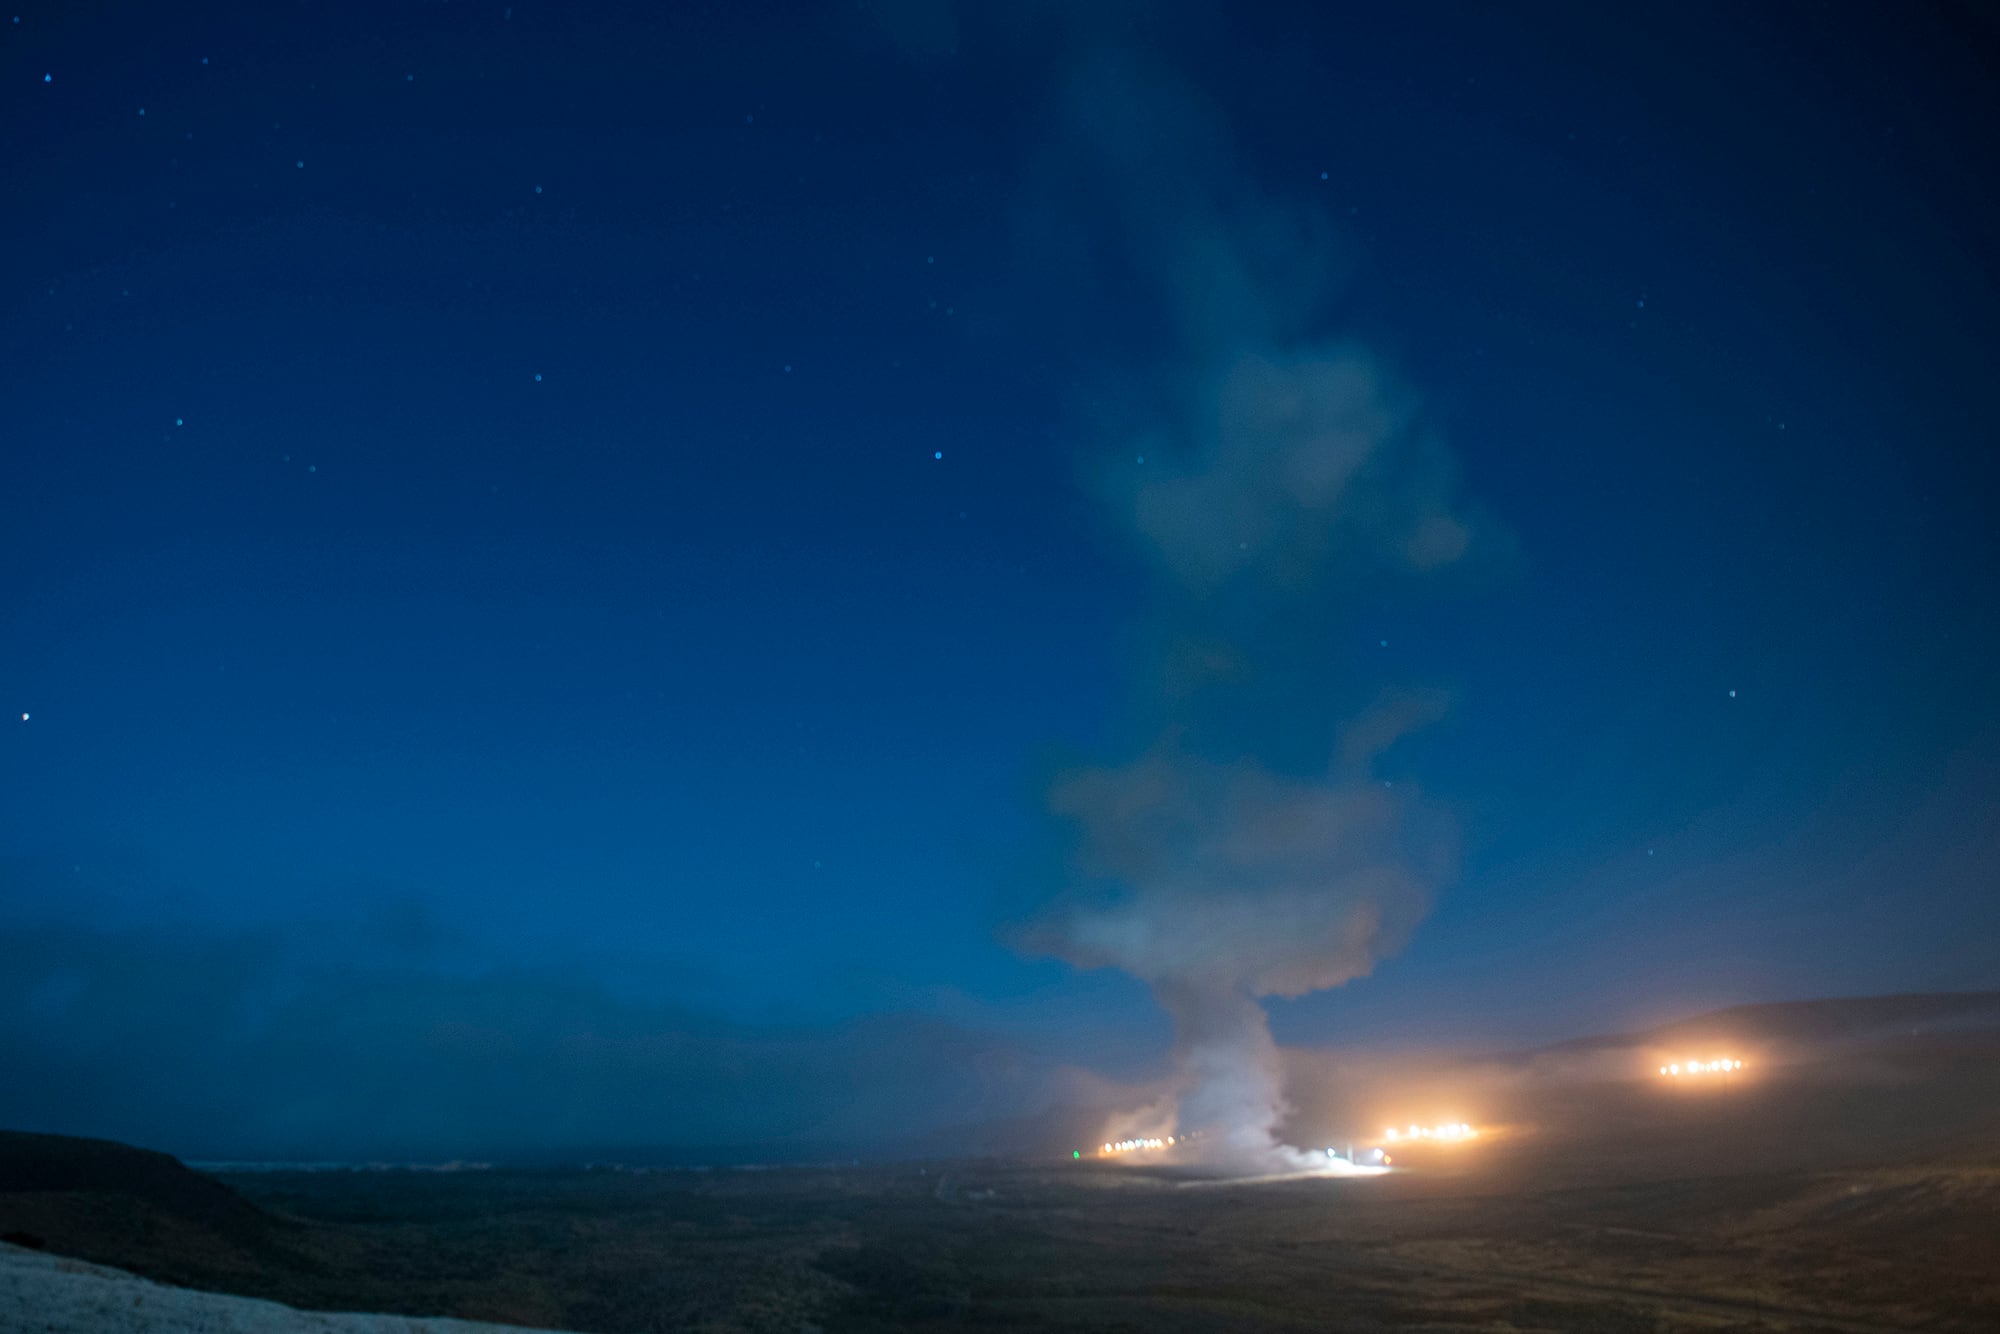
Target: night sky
x=588 y=574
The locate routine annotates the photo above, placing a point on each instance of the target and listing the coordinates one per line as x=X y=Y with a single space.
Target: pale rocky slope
x=48 y=1294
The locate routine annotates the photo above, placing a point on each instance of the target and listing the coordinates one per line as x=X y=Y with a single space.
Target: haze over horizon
x=813 y=574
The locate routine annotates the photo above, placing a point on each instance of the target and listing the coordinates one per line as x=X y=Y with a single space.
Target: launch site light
x=1135 y=1144
x=1451 y=1131
x=1720 y=1066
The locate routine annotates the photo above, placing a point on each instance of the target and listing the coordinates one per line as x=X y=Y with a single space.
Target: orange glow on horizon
x=1450 y=1133
x=1721 y=1066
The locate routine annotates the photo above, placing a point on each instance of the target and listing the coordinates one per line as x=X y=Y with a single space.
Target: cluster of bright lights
x=1135 y=1145
x=1458 y=1130
x=1680 y=1068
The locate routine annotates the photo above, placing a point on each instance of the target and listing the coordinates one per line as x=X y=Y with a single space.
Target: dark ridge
x=1845 y=1018
x=135 y=1209
x=62 y=1163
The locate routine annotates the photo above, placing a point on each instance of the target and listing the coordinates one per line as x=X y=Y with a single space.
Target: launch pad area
x=1021 y=1246
x=1859 y=1196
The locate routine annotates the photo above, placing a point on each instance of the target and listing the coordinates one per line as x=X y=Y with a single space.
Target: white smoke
x=1249 y=851
x=1219 y=885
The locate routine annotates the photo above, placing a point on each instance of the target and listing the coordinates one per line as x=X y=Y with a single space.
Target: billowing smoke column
x=1217 y=885
x=1249 y=850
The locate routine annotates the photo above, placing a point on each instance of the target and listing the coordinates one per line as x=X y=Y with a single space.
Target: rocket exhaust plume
x=1248 y=849
x=1218 y=885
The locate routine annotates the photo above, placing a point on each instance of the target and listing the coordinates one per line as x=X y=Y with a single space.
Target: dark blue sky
x=584 y=528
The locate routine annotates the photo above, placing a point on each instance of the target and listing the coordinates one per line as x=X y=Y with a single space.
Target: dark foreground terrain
x=1859 y=1194
x=1019 y=1248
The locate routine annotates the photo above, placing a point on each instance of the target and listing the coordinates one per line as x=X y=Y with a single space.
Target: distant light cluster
x=1679 y=1068
x=1455 y=1131
x=1112 y=1148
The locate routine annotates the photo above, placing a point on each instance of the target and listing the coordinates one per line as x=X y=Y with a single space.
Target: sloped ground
x=1858 y=1194
x=113 y=1204
x=48 y=1294
x=1001 y=1246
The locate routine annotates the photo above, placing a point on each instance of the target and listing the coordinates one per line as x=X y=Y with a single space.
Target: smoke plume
x=1248 y=849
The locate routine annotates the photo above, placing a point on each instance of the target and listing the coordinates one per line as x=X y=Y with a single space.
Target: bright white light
x=1449 y=1132
x=1135 y=1144
x=1721 y=1065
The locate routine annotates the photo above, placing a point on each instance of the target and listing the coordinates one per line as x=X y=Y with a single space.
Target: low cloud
x=258 y=1044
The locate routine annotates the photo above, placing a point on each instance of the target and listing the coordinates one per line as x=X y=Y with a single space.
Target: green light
x=1076 y=1153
